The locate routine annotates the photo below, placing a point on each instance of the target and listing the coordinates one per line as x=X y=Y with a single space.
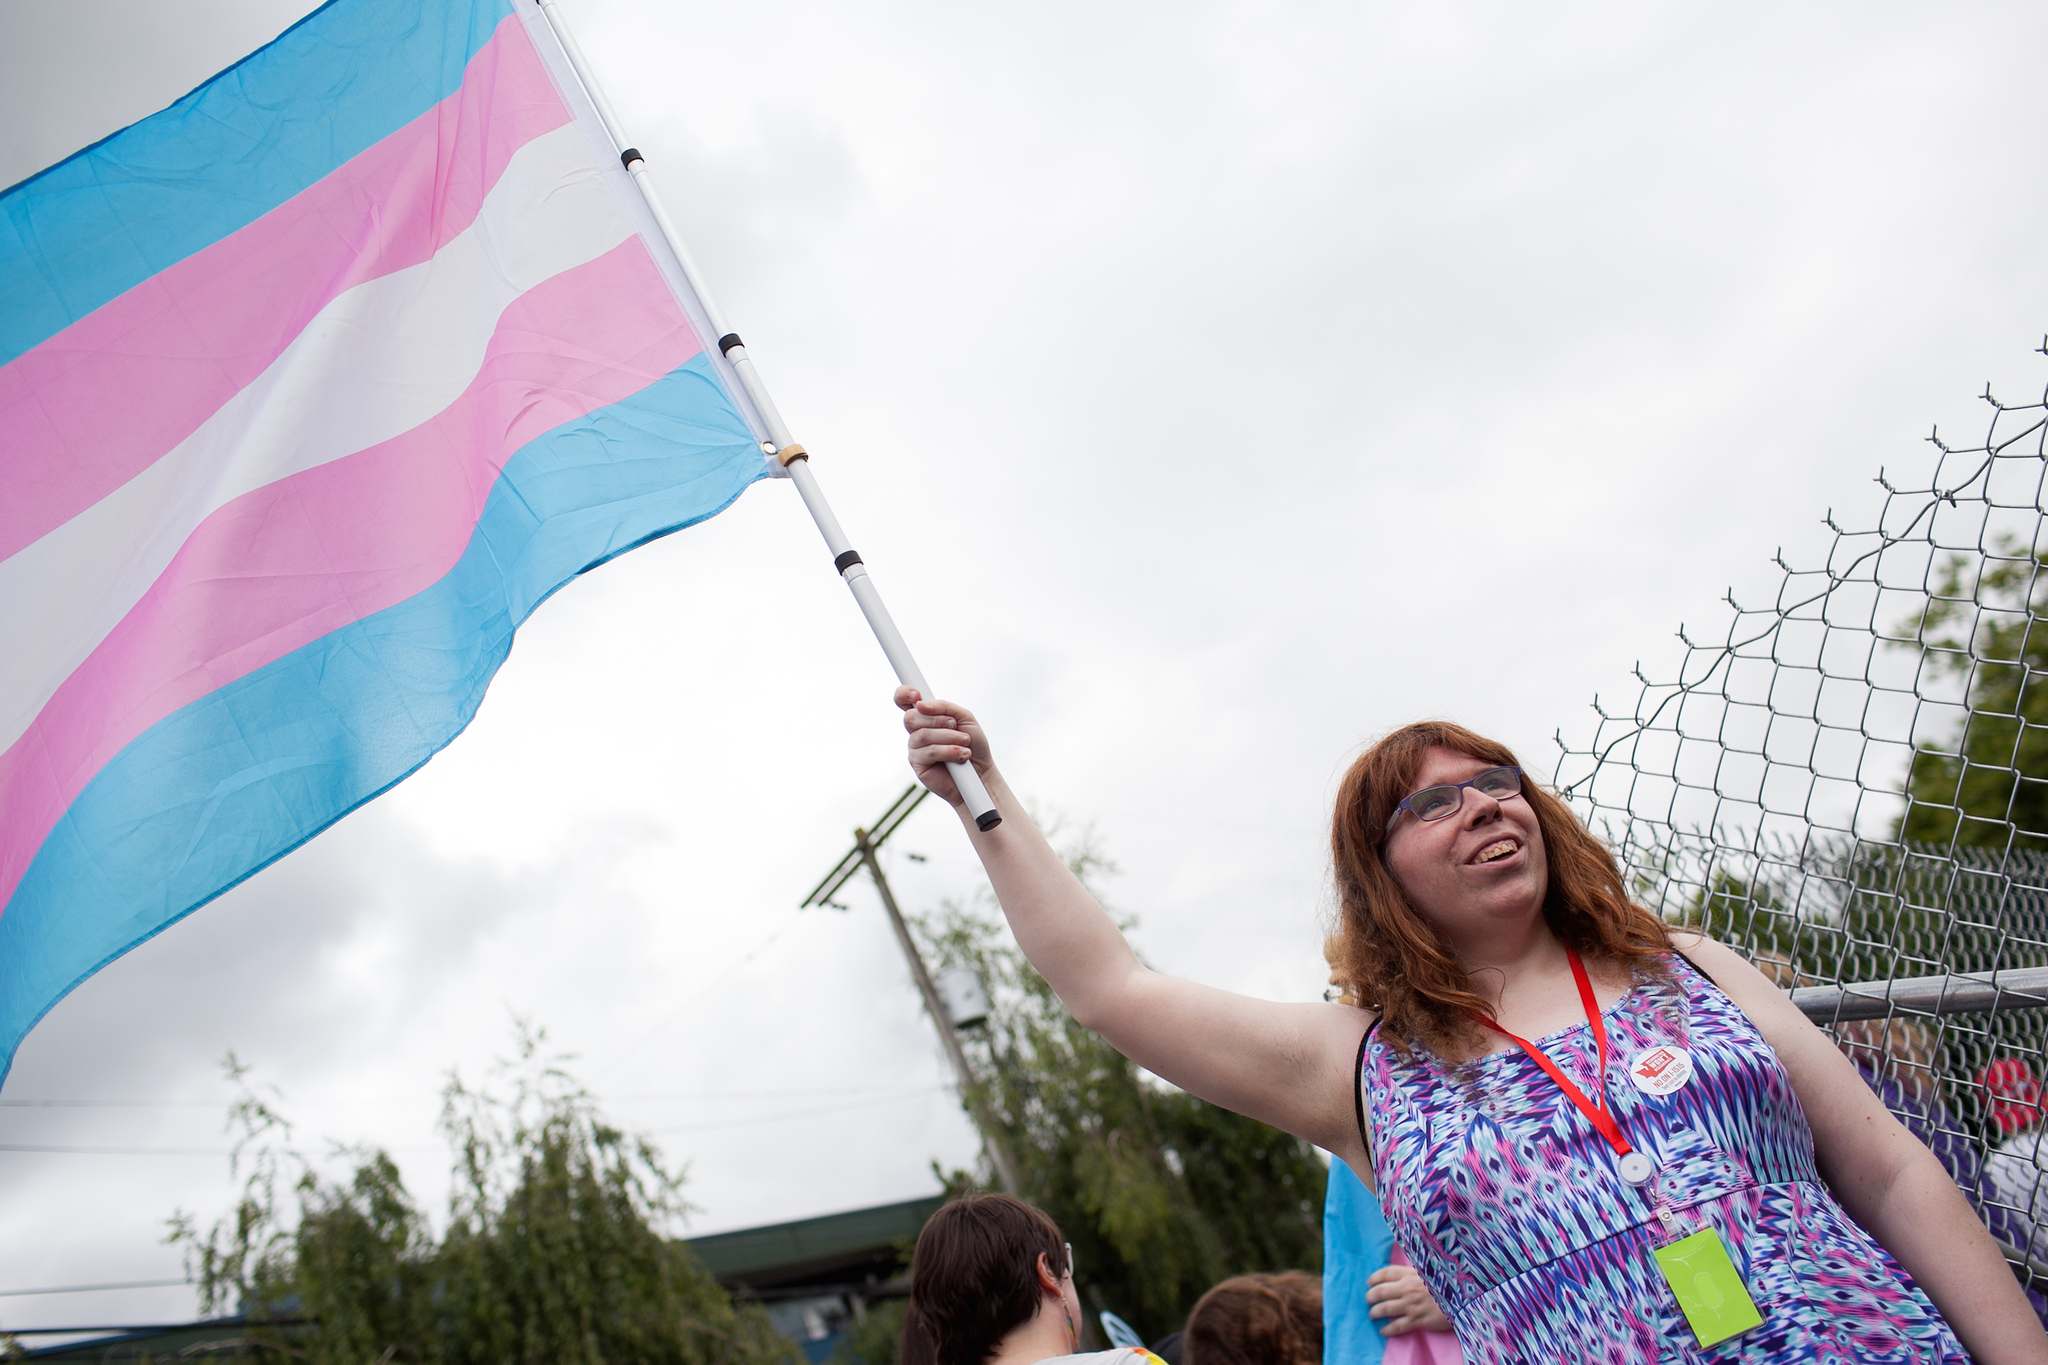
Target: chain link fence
x=1849 y=783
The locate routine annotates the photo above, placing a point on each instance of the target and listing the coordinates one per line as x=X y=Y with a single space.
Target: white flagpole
x=795 y=460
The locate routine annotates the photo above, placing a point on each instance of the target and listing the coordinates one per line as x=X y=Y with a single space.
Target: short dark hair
x=1258 y=1320
x=974 y=1278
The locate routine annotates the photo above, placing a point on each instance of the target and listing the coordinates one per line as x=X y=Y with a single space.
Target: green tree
x=1160 y=1193
x=1985 y=624
x=876 y=1333
x=557 y=1247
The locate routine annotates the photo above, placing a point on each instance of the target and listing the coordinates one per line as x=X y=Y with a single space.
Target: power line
x=113 y=1151
x=673 y=1097
x=723 y=978
x=687 y=1096
x=68 y=1150
x=108 y=1104
x=804 y=1113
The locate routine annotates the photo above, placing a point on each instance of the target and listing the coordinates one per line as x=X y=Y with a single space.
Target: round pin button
x=1636 y=1168
x=1661 y=1070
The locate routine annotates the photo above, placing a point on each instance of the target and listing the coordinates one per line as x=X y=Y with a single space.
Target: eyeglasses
x=1437 y=803
x=1070 y=1258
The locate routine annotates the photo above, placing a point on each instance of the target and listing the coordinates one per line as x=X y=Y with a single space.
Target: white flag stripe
x=376 y=362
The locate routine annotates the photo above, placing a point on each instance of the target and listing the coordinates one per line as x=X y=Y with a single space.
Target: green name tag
x=1708 y=1289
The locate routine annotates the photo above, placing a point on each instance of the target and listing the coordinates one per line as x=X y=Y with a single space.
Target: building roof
x=860 y=1247
x=223 y=1335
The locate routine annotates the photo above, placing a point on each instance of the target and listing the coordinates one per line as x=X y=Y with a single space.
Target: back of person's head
x=1258 y=1320
x=974 y=1278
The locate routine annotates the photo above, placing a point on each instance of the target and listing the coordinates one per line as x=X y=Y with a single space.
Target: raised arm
x=1884 y=1176
x=1287 y=1065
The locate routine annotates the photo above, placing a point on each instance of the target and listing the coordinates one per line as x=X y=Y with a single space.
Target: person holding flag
x=1598 y=1138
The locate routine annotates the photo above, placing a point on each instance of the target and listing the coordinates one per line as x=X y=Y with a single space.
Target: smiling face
x=1477 y=871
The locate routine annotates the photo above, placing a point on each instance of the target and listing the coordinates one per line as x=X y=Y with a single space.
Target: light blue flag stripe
x=1356 y=1242
x=243 y=775
x=105 y=219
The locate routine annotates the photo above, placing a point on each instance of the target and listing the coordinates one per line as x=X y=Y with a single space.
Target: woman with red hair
x=1268 y=1319
x=1598 y=1139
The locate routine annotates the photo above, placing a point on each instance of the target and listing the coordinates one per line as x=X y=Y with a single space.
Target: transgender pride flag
x=312 y=387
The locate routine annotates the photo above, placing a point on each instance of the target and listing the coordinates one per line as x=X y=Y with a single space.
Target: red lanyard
x=1598 y=1114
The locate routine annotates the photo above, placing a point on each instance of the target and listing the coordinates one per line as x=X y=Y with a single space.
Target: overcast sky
x=1209 y=387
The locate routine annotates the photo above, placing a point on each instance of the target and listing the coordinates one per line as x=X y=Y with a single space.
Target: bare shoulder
x=1348 y=1028
x=1766 y=1004
x=1309 y=1085
x=1348 y=1021
x=1836 y=1099
x=1335 y=1034
x=1731 y=971
x=1288 y=1064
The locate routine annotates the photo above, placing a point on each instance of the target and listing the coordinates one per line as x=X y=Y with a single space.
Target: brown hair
x=1258 y=1320
x=974 y=1278
x=1394 y=960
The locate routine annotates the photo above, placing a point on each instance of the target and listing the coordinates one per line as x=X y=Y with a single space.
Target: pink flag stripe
x=279 y=567
x=102 y=400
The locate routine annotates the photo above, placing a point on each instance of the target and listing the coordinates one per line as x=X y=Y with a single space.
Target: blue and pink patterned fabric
x=313 y=386
x=1509 y=1203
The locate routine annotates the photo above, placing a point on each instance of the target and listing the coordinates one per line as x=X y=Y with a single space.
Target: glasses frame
x=1459 y=788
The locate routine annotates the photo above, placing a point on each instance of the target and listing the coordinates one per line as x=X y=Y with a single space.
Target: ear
x=1047 y=1281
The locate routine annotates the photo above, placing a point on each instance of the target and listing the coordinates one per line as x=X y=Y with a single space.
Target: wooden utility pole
x=865 y=845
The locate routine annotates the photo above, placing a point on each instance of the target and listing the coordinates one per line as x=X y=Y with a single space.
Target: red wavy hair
x=1271 y=1319
x=1393 y=959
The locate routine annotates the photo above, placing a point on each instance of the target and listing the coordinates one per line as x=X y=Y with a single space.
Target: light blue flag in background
x=1356 y=1242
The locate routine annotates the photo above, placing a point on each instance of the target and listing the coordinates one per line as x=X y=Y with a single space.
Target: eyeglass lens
x=1435 y=803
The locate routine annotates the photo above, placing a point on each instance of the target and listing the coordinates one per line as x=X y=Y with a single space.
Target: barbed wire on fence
x=1849 y=783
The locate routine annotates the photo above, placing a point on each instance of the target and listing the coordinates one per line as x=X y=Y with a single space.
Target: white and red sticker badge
x=1661 y=1070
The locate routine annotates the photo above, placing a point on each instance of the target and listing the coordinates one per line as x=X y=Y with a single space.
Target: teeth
x=1499 y=850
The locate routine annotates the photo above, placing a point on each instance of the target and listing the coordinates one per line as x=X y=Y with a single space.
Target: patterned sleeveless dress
x=1509 y=1203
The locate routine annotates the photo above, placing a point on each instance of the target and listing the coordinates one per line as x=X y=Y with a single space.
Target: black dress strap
x=1358 y=1085
x=1705 y=975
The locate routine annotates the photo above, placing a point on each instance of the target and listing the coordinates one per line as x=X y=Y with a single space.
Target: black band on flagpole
x=629 y=156
x=846 y=561
x=728 y=341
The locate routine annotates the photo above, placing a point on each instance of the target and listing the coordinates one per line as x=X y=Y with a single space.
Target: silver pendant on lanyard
x=1636 y=1168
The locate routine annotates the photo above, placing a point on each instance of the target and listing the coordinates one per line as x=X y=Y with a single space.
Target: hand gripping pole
x=795 y=461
